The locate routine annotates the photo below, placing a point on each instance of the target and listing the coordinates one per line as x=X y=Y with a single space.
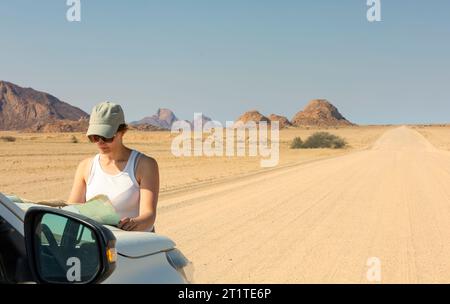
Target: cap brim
x=106 y=131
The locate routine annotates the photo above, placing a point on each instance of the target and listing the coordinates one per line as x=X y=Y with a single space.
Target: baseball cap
x=105 y=119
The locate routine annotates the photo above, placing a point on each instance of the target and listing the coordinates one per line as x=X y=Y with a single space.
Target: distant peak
x=22 y=108
x=252 y=115
x=320 y=112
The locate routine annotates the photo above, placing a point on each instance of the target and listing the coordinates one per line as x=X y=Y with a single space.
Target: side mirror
x=64 y=248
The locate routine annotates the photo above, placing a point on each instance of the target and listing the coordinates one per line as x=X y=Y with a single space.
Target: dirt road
x=321 y=222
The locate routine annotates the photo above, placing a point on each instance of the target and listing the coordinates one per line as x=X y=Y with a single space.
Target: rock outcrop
x=163 y=119
x=320 y=113
x=24 y=108
x=282 y=120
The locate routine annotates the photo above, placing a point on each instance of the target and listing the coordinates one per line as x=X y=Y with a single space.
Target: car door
x=3 y=278
x=26 y=255
x=13 y=257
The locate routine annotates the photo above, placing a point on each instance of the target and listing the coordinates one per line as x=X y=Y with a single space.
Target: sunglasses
x=97 y=138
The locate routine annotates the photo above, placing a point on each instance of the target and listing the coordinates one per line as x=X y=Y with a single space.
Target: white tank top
x=122 y=189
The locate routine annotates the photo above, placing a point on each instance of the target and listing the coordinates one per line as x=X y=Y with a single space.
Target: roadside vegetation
x=319 y=140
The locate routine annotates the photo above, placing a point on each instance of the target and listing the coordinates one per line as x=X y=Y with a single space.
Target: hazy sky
x=223 y=57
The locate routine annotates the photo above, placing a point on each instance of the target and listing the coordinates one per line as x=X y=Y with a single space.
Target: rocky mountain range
x=164 y=119
x=25 y=108
x=317 y=113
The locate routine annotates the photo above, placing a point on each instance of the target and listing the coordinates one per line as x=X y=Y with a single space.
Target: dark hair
x=122 y=127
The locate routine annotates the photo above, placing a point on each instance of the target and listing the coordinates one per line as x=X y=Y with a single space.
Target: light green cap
x=105 y=119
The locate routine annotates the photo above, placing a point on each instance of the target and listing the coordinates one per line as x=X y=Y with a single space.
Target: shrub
x=324 y=140
x=74 y=139
x=7 y=138
x=297 y=143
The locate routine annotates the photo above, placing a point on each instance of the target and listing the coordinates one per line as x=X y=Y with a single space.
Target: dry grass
x=41 y=166
x=7 y=138
x=438 y=135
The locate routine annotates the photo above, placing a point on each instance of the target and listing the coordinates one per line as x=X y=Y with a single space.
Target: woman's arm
x=78 y=193
x=148 y=178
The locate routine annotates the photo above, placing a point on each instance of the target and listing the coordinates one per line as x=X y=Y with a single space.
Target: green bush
x=297 y=143
x=324 y=140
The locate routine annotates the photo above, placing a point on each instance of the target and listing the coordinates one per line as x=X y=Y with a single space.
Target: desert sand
x=320 y=222
x=316 y=218
x=42 y=166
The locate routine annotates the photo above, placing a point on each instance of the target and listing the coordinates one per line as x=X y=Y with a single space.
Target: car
x=40 y=244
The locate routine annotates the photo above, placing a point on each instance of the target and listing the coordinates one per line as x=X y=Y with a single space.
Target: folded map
x=99 y=208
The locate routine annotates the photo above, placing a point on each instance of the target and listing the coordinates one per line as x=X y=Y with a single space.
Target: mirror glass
x=67 y=251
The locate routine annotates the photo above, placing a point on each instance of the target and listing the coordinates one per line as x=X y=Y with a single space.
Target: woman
x=129 y=178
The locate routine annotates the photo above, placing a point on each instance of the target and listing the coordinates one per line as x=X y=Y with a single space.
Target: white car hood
x=139 y=244
x=128 y=244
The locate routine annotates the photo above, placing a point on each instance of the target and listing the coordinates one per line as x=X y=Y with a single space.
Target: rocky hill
x=200 y=119
x=321 y=113
x=282 y=120
x=24 y=108
x=145 y=127
x=163 y=119
x=252 y=115
x=57 y=125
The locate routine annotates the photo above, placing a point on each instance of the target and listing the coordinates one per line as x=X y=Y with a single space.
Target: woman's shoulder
x=145 y=160
x=86 y=162
x=85 y=166
x=146 y=165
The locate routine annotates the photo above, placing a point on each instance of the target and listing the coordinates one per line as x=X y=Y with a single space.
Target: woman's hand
x=127 y=224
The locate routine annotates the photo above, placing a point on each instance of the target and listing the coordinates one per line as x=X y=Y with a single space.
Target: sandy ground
x=438 y=135
x=42 y=166
x=321 y=221
x=316 y=218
